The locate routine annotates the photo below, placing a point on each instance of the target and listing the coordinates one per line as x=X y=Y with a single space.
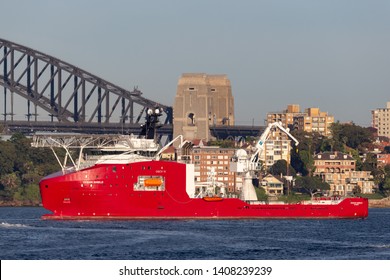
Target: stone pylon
x=202 y=101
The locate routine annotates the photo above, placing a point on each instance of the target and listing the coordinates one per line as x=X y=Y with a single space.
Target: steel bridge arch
x=70 y=95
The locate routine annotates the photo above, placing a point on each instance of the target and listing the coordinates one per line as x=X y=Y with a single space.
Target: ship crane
x=254 y=163
x=242 y=163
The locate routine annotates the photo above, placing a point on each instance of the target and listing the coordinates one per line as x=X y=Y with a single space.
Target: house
x=272 y=185
x=383 y=160
x=169 y=154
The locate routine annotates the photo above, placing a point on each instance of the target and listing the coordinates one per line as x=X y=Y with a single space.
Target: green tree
x=356 y=156
x=222 y=143
x=370 y=163
x=21 y=168
x=387 y=170
x=261 y=194
x=385 y=186
x=309 y=144
x=282 y=167
x=308 y=161
x=9 y=183
x=310 y=185
x=22 y=149
x=31 y=194
x=350 y=135
x=7 y=157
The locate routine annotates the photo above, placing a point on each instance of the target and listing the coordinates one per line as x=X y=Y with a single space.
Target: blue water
x=23 y=235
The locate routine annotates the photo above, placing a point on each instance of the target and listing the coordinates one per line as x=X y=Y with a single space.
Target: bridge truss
x=55 y=95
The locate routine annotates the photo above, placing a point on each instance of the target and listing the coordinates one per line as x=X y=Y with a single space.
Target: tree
x=309 y=144
x=387 y=170
x=385 y=186
x=370 y=163
x=21 y=168
x=383 y=180
x=282 y=167
x=350 y=135
x=222 y=143
x=357 y=190
x=7 y=157
x=22 y=150
x=310 y=185
x=311 y=141
x=308 y=161
x=10 y=184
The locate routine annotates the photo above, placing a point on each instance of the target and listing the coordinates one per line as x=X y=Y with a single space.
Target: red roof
x=197 y=142
x=169 y=150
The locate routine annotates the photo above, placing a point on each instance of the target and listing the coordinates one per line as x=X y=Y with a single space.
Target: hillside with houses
x=354 y=161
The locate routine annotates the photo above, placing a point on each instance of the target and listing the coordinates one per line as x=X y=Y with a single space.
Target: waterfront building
x=202 y=101
x=339 y=171
x=272 y=185
x=381 y=120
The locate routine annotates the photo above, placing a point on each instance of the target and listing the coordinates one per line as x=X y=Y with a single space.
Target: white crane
x=255 y=158
x=241 y=162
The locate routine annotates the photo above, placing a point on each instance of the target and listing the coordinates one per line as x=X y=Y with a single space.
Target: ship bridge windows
x=150 y=183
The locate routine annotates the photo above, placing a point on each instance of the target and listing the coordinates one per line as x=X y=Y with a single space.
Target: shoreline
x=18 y=204
x=379 y=203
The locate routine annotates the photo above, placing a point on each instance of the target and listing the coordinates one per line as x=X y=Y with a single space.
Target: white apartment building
x=381 y=120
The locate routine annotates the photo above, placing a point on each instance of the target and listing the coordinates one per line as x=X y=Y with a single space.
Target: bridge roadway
x=237 y=131
x=29 y=127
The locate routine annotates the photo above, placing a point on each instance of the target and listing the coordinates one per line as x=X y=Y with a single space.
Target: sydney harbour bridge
x=44 y=93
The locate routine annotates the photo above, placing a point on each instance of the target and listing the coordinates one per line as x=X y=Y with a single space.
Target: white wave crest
x=8 y=225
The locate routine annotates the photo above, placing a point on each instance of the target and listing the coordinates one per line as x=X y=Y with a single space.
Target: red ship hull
x=122 y=191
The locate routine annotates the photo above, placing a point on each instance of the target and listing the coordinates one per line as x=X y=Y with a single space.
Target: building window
x=191 y=119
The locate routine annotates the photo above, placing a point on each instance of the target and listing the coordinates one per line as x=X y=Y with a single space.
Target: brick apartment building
x=207 y=159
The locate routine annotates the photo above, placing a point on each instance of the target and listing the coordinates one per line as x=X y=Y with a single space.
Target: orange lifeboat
x=153 y=182
x=212 y=198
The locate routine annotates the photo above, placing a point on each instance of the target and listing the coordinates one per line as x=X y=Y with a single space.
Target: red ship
x=127 y=180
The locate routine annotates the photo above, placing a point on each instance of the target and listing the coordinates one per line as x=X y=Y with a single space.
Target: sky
x=331 y=54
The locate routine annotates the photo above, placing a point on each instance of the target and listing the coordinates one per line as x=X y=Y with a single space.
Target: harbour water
x=23 y=235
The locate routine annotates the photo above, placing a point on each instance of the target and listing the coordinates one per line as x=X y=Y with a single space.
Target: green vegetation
x=261 y=195
x=282 y=168
x=21 y=168
x=293 y=198
x=222 y=143
x=372 y=196
x=310 y=185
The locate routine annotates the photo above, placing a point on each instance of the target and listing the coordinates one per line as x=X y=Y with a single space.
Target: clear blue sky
x=331 y=54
